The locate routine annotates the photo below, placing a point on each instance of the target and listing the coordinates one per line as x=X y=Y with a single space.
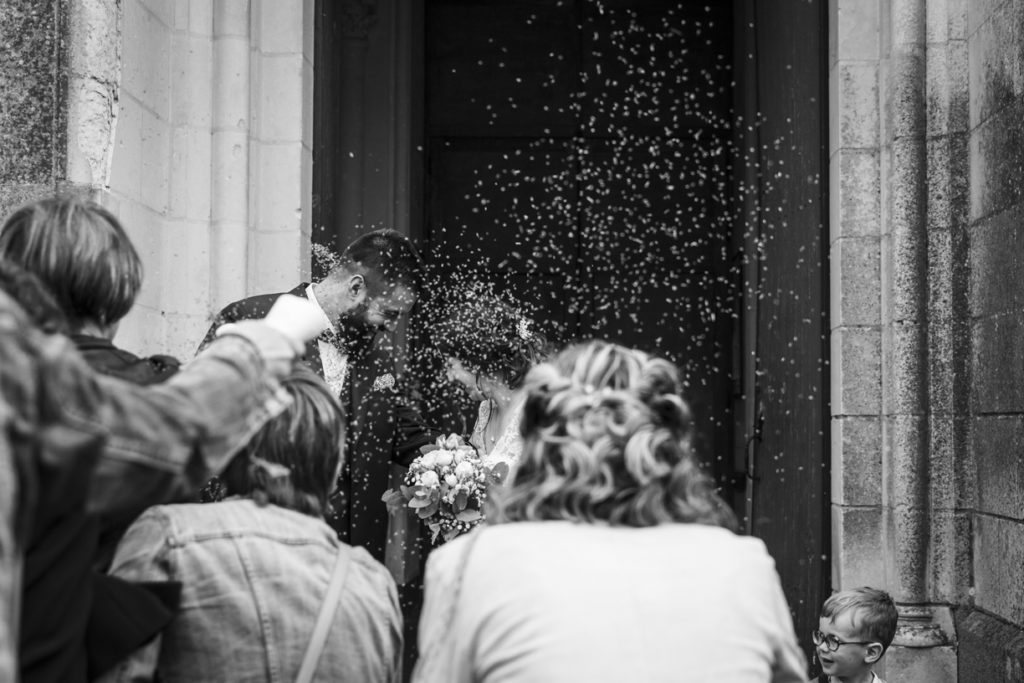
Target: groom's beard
x=354 y=334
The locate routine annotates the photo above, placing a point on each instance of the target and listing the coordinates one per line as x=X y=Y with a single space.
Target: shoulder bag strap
x=325 y=619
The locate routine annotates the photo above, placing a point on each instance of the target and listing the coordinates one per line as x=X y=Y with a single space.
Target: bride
x=489 y=347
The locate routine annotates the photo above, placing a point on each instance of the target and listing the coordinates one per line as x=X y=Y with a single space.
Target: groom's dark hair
x=386 y=258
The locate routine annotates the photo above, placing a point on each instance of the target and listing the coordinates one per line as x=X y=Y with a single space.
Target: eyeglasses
x=832 y=643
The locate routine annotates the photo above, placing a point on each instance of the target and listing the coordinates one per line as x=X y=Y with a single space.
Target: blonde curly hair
x=607 y=438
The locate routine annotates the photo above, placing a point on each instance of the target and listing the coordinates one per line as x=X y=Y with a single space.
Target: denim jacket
x=74 y=441
x=254 y=579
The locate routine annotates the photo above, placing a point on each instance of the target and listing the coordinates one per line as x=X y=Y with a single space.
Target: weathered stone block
x=980 y=11
x=147 y=59
x=186 y=289
x=186 y=331
x=996 y=263
x=905 y=90
x=856 y=193
x=307 y=106
x=144 y=331
x=988 y=650
x=993 y=56
x=856 y=560
x=856 y=282
x=946 y=88
x=998 y=558
x=306 y=223
x=942 y=366
x=965 y=463
x=998 y=450
x=857 y=461
x=155 y=184
x=950 y=569
x=997 y=366
x=191 y=79
x=856 y=30
x=281 y=104
x=946 y=21
x=906 y=458
x=126 y=165
x=276 y=260
x=200 y=17
x=308 y=22
x=947 y=189
x=230 y=17
x=856 y=371
x=913 y=665
x=190 y=173
x=942 y=452
x=996 y=160
x=280 y=173
x=33 y=83
x=143 y=228
x=907 y=255
x=181 y=16
x=230 y=150
x=907 y=26
x=906 y=555
x=13 y=196
x=857 y=99
x=904 y=381
x=162 y=10
x=281 y=26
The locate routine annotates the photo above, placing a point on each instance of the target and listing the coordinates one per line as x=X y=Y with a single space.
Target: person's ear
x=356 y=289
x=874 y=653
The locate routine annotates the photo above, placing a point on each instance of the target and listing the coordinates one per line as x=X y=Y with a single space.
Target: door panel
x=792 y=486
x=565 y=164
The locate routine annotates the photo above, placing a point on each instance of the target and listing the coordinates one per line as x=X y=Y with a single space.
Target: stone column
x=899 y=102
x=230 y=151
x=59 y=73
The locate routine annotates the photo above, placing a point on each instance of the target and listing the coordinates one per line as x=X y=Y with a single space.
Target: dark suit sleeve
x=410 y=433
x=247 y=309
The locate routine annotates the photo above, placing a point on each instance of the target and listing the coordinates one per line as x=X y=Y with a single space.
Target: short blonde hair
x=80 y=252
x=874 y=613
x=607 y=438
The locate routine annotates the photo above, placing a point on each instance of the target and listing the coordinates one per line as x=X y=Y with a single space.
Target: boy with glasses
x=855 y=629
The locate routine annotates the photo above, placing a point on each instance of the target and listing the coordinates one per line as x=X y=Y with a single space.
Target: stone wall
x=211 y=172
x=928 y=392
x=33 y=80
x=191 y=120
x=992 y=633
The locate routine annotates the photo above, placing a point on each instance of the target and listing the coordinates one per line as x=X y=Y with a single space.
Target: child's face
x=850 y=659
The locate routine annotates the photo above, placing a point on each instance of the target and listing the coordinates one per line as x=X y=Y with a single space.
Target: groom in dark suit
x=374 y=285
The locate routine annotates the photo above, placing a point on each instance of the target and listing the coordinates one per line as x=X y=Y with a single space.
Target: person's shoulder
x=258 y=305
x=125 y=365
x=513 y=543
x=367 y=571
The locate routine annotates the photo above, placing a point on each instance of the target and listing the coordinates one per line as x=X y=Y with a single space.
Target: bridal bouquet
x=447 y=487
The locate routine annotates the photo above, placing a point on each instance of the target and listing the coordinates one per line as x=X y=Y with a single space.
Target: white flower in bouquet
x=447 y=487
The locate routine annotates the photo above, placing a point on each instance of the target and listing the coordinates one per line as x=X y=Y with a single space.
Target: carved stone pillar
x=899 y=106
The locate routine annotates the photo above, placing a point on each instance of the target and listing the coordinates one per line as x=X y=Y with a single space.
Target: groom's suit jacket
x=382 y=428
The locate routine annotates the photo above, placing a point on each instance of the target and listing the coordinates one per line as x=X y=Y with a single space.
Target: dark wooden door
x=577 y=157
x=783 y=49
x=614 y=165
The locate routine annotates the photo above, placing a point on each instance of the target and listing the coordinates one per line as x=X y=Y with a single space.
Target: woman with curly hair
x=609 y=557
x=489 y=347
